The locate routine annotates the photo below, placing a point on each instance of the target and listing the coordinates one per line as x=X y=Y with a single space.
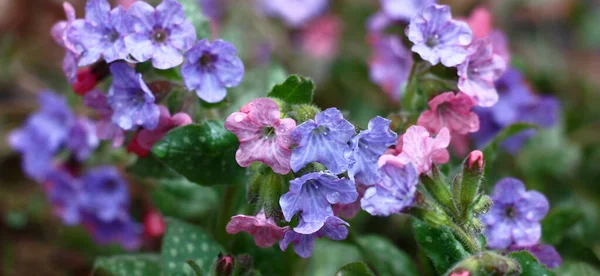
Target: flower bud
x=265 y=188
x=303 y=112
x=475 y=160
x=466 y=186
x=485 y=262
x=86 y=81
x=432 y=217
x=438 y=189
x=225 y=265
x=483 y=205
x=154 y=224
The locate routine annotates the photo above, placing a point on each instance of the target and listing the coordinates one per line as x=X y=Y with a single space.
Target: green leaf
x=183 y=242
x=577 y=268
x=558 y=221
x=194 y=14
x=440 y=245
x=204 y=154
x=150 y=167
x=491 y=149
x=183 y=199
x=529 y=264
x=355 y=269
x=129 y=265
x=195 y=267
x=328 y=256
x=385 y=258
x=295 y=90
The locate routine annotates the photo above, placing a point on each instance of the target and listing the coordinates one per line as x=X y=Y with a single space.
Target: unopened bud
x=486 y=262
x=469 y=180
x=483 y=205
x=475 y=160
x=432 y=217
x=303 y=112
x=154 y=224
x=135 y=147
x=86 y=81
x=225 y=265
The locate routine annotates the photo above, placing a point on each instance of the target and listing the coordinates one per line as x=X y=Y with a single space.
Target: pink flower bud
x=475 y=160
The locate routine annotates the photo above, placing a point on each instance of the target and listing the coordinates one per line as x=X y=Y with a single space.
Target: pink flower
x=264 y=230
x=263 y=135
x=450 y=111
x=144 y=140
x=421 y=150
x=321 y=37
x=481 y=22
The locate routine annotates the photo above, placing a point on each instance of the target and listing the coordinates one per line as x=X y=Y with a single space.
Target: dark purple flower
x=122 y=230
x=313 y=194
x=43 y=135
x=104 y=193
x=390 y=64
x=211 y=68
x=404 y=10
x=395 y=191
x=100 y=34
x=333 y=228
x=479 y=72
x=516 y=103
x=131 y=99
x=59 y=33
x=324 y=140
x=82 y=138
x=437 y=37
x=546 y=254
x=515 y=216
x=105 y=128
x=295 y=13
x=159 y=34
x=63 y=191
x=367 y=147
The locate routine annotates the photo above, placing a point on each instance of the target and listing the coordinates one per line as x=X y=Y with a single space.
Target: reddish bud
x=460 y=272
x=475 y=160
x=154 y=224
x=225 y=265
x=86 y=81
x=135 y=147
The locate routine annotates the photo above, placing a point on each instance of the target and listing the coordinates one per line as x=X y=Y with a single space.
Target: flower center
x=207 y=59
x=321 y=130
x=268 y=131
x=432 y=41
x=113 y=36
x=111 y=186
x=159 y=35
x=511 y=212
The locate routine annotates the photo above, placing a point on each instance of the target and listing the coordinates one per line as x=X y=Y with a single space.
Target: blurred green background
x=556 y=43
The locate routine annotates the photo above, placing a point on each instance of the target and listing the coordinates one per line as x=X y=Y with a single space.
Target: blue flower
x=334 y=228
x=82 y=139
x=122 y=230
x=210 y=68
x=104 y=193
x=394 y=192
x=323 y=140
x=131 y=99
x=101 y=33
x=312 y=194
x=367 y=147
x=63 y=190
x=159 y=34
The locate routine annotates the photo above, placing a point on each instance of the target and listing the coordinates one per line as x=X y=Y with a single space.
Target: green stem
x=468 y=240
x=223 y=219
x=410 y=87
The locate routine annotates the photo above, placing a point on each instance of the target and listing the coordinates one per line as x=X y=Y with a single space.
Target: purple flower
x=479 y=72
x=82 y=139
x=390 y=65
x=437 y=37
x=213 y=9
x=404 y=10
x=63 y=190
x=104 y=193
x=43 y=134
x=159 y=34
x=131 y=99
x=324 y=140
x=333 y=228
x=105 y=128
x=312 y=194
x=516 y=103
x=211 y=68
x=100 y=34
x=59 y=33
x=546 y=254
x=295 y=13
x=122 y=230
x=515 y=216
x=367 y=147
x=394 y=192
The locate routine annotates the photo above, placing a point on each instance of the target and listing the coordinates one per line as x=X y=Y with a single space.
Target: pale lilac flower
x=104 y=193
x=452 y=111
x=62 y=190
x=211 y=68
x=100 y=34
x=131 y=100
x=324 y=140
x=105 y=128
x=82 y=139
x=334 y=228
x=421 y=150
x=59 y=34
x=367 y=147
x=264 y=230
x=159 y=34
x=313 y=194
x=390 y=64
x=295 y=13
x=546 y=254
x=404 y=10
x=479 y=71
x=379 y=22
x=263 y=135
x=437 y=37
x=515 y=216
x=395 y=191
